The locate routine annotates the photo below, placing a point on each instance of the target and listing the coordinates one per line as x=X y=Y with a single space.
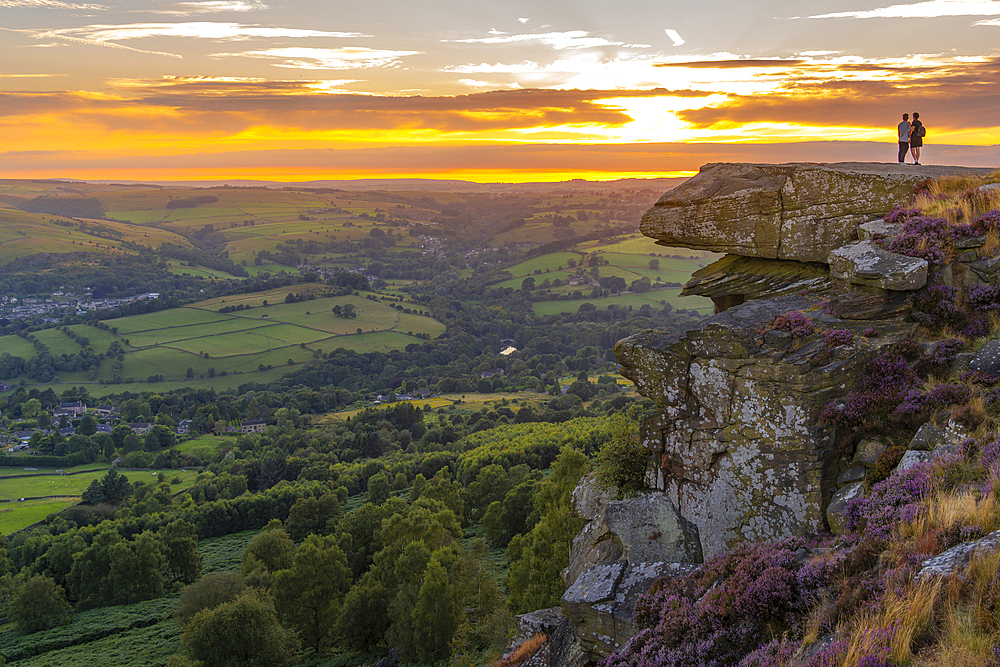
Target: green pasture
x=273 y=269
x=141 y=364
x=99 y=338
x=197 y=271
x=242 y=363
x=174 y=317
x=419 y=324
x=169 y=335
x=17 y=515
x=274 y=297
x=65 y=491
x=211 y=442
x=17 y=346
x=223 y=554
x=653 y=298
x=550 y=262
x=58 y=342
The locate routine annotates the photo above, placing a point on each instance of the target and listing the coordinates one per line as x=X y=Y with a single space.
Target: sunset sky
x=488 y=91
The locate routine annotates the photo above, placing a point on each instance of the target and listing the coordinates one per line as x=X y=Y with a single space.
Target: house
x=184 y=427
x=105 y=410
x=104 y=428
x=76 y=407
x=252 y=426
x=140 y=428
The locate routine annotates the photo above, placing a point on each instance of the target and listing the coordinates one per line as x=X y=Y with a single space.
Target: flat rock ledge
x=797 y=211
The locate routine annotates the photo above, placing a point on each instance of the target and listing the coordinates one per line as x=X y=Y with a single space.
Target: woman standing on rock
x=917 y=133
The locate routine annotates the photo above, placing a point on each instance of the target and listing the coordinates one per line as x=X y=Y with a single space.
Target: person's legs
x=915 y=152
x=903 y=145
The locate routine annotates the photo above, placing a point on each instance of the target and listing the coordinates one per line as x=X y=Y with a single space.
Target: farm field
x=652 y=298
x=53 y=492
x=255 y=344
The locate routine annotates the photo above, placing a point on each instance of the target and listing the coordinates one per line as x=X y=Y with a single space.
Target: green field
x=242 y=343
x=653 y=298
x=64 y=489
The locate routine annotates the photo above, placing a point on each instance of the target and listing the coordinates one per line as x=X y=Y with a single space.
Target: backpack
x=921 y=131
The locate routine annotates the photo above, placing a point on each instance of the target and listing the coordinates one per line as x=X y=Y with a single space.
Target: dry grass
x=527 y=649
x=964 y=508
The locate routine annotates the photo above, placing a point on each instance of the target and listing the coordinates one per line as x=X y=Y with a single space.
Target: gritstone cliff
x=737 y=451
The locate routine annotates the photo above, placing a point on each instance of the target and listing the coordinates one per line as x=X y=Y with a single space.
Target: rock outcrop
x=737 y=445
x=737 y=449
x=781 y=211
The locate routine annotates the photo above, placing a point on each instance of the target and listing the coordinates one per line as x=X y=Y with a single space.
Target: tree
x=207 y=593
x=30 y=408
x=115 y=487
x=654 y=264
x=308 y=595
x=364 y=618
x=241 y=633
x=180 y=549
x=528 y=284
x=311 y=515
x=378 y=488
x=40 y=604
x=435 y=616
x=135 y=572
x=88 y=425
x=349 y=311
x=272 y=549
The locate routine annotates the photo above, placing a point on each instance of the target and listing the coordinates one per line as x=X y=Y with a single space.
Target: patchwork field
x=200 y=347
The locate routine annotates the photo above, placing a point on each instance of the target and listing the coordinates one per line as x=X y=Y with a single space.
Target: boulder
x=869 y=231
x=601 y=602
x=646 y=528
x=562 y=648
x=913 y=457
x=927 y=438
x=866 y=264
x=737 y=444
x=868 y=452
x=987 y=359
x=835 y=511
x=781 y=211
x=855 y=474
x=954 y=560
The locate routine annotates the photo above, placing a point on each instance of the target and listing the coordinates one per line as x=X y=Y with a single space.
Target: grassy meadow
x=50 y=492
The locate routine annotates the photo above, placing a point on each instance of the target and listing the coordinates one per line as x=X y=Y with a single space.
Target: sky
x=512 y=91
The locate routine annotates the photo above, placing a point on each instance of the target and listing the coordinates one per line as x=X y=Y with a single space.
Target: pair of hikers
x=911 y=136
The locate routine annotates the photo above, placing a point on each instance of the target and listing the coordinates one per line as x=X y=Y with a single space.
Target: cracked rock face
x=737 y=444
x=786 y=211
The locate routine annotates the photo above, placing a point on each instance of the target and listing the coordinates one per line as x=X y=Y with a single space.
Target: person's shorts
x=916 y=142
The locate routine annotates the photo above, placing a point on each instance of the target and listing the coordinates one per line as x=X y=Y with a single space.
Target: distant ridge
x=657 y=184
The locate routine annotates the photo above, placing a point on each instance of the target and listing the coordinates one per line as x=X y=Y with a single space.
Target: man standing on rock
x=917 y=132
x=904 y=137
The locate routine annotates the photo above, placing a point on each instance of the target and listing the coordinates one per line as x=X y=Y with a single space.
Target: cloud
x=196 y=29
x=212 y=106
x=950 y=95
x=497 y=68
x=674 y=36
x=571 y=39
x=988 y=22
x=49 y=4
x=347 y=57
x=29 y=76
x=733 y=64
x=208 y=7
x=928 y=9
x=37 y=34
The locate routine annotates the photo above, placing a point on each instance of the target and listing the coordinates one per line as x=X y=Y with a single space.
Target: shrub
x=882 y=386
x=621 y=462
x=927 y=238
x=795 y=323
x=725 y=610
x=885 y=464
x=835 y=337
